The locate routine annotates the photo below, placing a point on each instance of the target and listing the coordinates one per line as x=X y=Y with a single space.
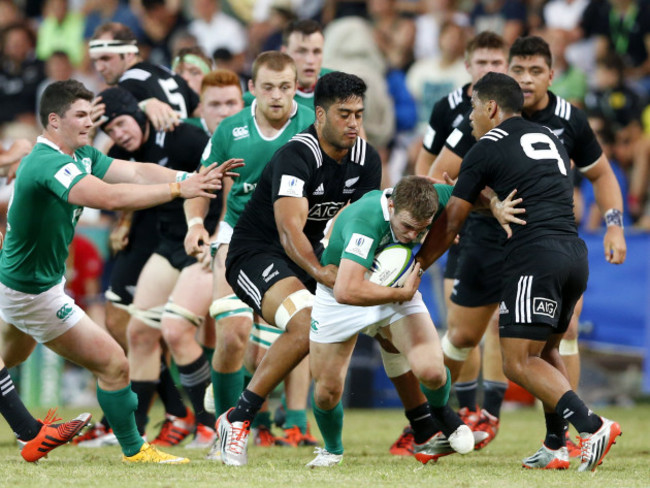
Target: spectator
x=622 y=107
x=427 y=26
x=394 y=33
x=160 y=22
x=214 y=29
x=84 y=268
x=9 y=13
x=430 y=79
x=505 y=17
x=20 y=75
x=624 y=27
x=569 y=81
x=61 y=30
x=100 y=12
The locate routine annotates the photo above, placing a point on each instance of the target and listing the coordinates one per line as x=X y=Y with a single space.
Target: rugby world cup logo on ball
x=392 y=265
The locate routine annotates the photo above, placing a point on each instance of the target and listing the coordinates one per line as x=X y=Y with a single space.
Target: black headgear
x=118 y=102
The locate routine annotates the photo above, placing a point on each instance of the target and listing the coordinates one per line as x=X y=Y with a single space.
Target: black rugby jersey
x=146 y=80
x=180 y=150
x=566 y=121
x=446 y=115
x=300 y=168
x=523 y=155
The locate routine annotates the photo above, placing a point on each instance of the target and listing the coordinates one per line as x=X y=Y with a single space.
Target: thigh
x=220 y=286
x=329 y=362
x=416 y=331
x=478 y=279
x=193 y=289
x=87 y=344
x=541 y=292
x=469 y=322
x=155 y=283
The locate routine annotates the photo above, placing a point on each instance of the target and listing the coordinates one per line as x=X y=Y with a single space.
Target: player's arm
x=352 y=288
x=443 y=231
x=446 y=162
x=423 y=162
x=608 y=197
x=290 y=218
x=93 y=192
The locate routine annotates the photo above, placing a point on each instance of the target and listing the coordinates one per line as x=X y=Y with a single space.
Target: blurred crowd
x=410 y=53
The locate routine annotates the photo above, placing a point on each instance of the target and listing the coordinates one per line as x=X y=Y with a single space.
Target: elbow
x=343 y=296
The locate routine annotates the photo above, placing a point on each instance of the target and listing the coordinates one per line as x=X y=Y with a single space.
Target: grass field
x=367 y=463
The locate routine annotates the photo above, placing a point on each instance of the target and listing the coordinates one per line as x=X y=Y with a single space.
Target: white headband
x=112 y=46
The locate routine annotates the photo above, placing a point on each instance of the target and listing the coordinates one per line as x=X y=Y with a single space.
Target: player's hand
x=327 y=275
x=205 y=258
x=2 y=240
x=411 y=284
x=119 y=238
x=202 y=184
x=225 y=169
x=161 y=115
x=97 y=111
x=506 y=211
x=11 y=172
x=196 y=240
x=614 y=243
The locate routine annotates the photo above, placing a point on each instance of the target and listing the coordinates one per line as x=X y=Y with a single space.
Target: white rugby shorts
x=333 y=322
x=45 y=316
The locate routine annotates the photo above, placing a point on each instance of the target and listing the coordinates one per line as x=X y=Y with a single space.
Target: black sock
x=447 y=419
x=168 y=393
x=195 y=378
x=104 y=422
x=422 y=423
x=12 y=408
x=556 y=428
x=145 y=391
x=571 y=408
x=493 y=393
x=466 y=394
x=247 y=407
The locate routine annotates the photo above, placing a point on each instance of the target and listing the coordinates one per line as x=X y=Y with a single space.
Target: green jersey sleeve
x=361 y=242
x=98 y=161
x=60 y=175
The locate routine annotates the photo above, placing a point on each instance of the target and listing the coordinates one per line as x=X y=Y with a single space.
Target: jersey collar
x=548 y=111
x=47 y=142
x=294 y=110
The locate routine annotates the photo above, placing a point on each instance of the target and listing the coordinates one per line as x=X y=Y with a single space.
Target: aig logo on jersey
x=240 y=132
x=544 y=306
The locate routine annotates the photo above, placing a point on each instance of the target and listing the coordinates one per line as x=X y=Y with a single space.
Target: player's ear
x=320 y=114
x=53 y=120
x=492 y=108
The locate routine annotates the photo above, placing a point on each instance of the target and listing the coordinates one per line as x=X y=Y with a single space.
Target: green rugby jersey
x=302 y=97
x=363 y=228
x=239 y=137
x=40 y=221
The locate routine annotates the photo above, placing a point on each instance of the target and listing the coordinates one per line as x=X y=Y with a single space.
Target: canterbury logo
x=240 y=132
x=64 y=311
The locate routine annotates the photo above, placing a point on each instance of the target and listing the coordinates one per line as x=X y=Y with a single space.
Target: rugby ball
x=392 y=266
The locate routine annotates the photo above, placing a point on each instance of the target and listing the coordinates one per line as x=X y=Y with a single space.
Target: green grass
x=367 y=463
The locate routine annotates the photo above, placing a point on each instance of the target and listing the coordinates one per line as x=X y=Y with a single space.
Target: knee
x=327 y=394
x=431 y=377
x=232 y=336
x=513 y=368
x=177 y=335
x=115 y=369
x=142 y=336
x=463 y=337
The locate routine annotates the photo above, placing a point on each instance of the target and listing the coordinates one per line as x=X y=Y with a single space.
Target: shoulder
x=495 y=135
x=306 y=145
x=364 y=154
x=139 y=72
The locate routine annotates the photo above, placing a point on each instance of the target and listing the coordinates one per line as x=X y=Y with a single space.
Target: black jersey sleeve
x=473 y=171
x=586 y=149
x=292 y=167
x=436 y=133
x=461 y=140
x=370 y=178
x=185 y=145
